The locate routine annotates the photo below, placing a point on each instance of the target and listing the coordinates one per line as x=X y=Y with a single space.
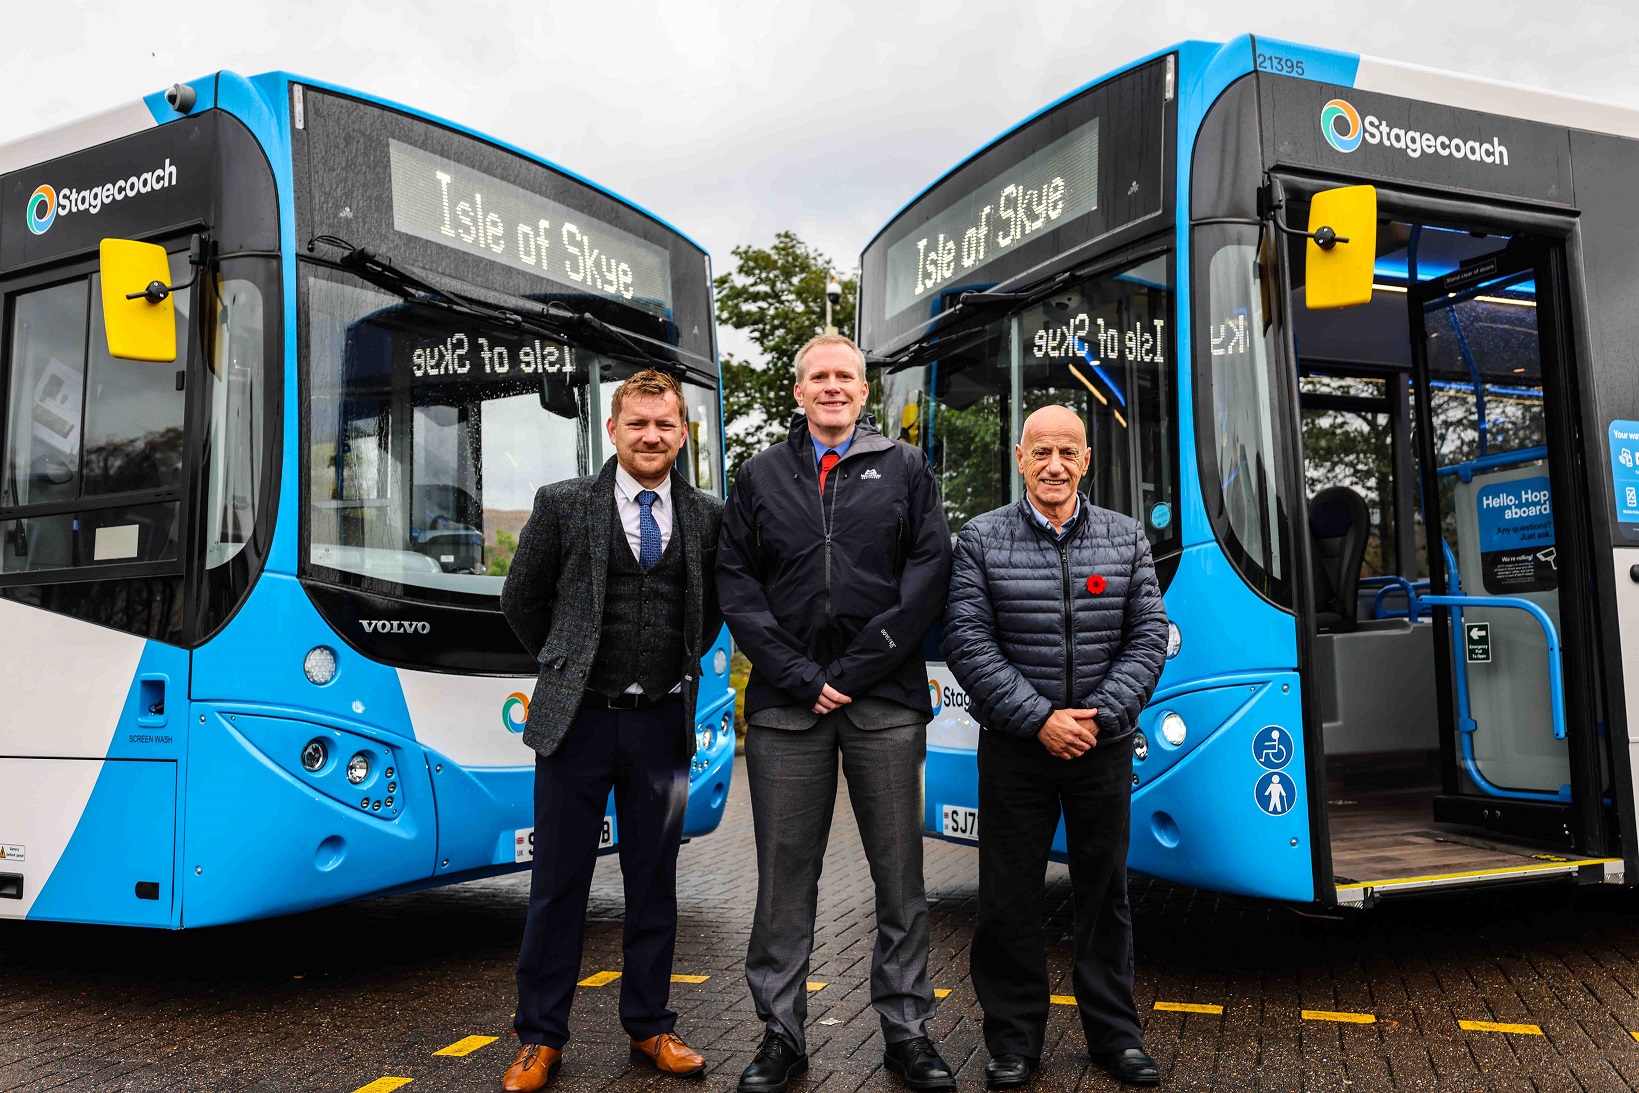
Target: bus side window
x=1236 y=401
x=237 y=426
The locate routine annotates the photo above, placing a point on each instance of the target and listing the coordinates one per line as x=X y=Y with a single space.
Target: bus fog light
x=358 y=768
x=1172 y=729
x=314 y=755
x=728 y=725
x=320 y=665
x=719 y=662
x=1141 y=746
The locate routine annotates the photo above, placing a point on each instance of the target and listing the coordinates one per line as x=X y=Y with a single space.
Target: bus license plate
x=959 y=822
x=523 y=840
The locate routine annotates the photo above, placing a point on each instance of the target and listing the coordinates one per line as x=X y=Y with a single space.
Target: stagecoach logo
x=394 y=626
x=46 y=203
x=515 y=711
x=933 y=696
x=1344 y=129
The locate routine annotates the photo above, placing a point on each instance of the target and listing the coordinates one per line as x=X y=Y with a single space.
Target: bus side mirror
x=1342 y=248
x=137 y=310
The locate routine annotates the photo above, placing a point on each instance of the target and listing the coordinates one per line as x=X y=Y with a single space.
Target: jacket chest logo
x=871 y=472
x=1095 y=585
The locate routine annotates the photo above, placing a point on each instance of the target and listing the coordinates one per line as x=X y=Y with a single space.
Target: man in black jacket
x=834 y=561
x=611 y=588
x=1057 y=632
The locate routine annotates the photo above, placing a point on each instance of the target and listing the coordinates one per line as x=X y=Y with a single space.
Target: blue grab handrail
x=1466 y=471
x=1397 y=584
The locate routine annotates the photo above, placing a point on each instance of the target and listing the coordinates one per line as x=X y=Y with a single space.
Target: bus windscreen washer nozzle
x=180 y=97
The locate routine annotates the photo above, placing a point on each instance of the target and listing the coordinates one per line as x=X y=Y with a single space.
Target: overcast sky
x=736 y=121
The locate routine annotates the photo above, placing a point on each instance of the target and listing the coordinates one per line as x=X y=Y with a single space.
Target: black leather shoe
x=777 y=1062
x=1009 y=1071
x=918 y=1065
x=1130 y=1066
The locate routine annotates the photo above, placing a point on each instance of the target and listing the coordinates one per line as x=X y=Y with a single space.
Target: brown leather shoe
x=670 y=1055
x=532 y=1069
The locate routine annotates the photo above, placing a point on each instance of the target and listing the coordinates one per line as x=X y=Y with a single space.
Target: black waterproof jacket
x=839 y=589
x=1036 y=625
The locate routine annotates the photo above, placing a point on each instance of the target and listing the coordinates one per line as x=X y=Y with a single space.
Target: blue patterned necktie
x=648 y=550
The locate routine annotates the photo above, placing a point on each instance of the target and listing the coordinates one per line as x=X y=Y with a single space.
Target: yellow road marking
x=599 y=979
x=946 y=994
x=1522 y=868
x=1062 y=999
x=1635 y=1035
x=816 y=985
x=384 y=1085
x=1189 y=1007
x=1498 y=1026
x=690 y=978
x=1334 y=1015
x=466 y=1046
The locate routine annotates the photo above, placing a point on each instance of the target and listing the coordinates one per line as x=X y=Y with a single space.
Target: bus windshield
x=1101 y=345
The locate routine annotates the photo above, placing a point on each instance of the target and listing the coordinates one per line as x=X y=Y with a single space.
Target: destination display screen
x=438 y=199
x=442 y=203
x=1059 y=182
x=1091 y=169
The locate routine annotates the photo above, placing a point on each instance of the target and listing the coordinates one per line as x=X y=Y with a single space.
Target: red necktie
x=827 y=461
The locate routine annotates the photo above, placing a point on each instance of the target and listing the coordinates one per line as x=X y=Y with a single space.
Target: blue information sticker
x=1276 y=793
x=1272 y=747
x=1624 y=442
x=1161 y=516
x=1517 y=552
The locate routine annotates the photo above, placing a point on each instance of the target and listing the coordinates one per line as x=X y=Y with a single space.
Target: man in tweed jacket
x=612 y=589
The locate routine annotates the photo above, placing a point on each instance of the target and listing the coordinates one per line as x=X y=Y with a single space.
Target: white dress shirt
x=631 y=515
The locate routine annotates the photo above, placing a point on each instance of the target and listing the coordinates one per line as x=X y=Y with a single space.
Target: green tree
x=776 y=295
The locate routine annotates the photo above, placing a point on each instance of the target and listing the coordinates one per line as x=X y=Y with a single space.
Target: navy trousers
x=639 y=754
x=1022 y=792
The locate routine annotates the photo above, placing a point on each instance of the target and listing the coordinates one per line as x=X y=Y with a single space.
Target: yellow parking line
x=384 y=1085
x=1346 y=1018
x=816 y=985
x=1189 y=1007
x=690 y=978
x=946 y=994
x=1062 y=999
x=1635 y=1035
x=1499 y=1026
x=599 y=979
x=466 y=1046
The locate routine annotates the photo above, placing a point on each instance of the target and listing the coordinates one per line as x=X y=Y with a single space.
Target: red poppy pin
x=1095 y=584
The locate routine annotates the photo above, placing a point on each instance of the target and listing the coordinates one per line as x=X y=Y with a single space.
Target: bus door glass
x=1495 y=554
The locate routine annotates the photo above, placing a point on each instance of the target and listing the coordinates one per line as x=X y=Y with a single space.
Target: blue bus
x=1355 y=342
x=253 y=657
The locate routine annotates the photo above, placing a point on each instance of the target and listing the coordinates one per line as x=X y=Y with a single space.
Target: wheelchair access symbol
x=1272 y=748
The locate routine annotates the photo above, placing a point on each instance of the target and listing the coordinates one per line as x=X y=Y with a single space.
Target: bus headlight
x=728 y=725
x=358 y=768
x=314 y=756
x=719 y=662
x=1175 y=640
x=1141 y=746
x=320 y=665
x=1172 y=729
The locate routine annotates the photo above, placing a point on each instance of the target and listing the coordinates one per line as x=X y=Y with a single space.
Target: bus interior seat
x=1338 y=525
x=1375 y=688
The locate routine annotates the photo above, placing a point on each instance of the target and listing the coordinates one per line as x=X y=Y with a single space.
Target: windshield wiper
x=554 y=320
x=970 y=303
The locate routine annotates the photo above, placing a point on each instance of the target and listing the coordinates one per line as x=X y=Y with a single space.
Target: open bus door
x=1455 y=687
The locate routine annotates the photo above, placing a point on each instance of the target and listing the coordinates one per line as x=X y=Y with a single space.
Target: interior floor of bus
x=1390 y=834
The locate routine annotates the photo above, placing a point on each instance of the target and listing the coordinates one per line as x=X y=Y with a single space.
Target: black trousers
x=1022 y=790
x=638 y=753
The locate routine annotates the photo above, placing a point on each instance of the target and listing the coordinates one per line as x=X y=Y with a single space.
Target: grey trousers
x=793 y=777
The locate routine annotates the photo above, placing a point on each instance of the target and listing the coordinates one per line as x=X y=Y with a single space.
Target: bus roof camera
x=181 y=98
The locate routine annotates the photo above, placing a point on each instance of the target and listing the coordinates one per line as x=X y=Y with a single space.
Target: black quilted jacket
x=1036 y=625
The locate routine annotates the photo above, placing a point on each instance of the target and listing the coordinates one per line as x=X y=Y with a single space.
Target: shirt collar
x=821 y=448
x=1042 y=521
x=629 y=487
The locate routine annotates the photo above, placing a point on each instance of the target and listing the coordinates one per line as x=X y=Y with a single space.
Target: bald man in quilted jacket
x=1056 y=630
